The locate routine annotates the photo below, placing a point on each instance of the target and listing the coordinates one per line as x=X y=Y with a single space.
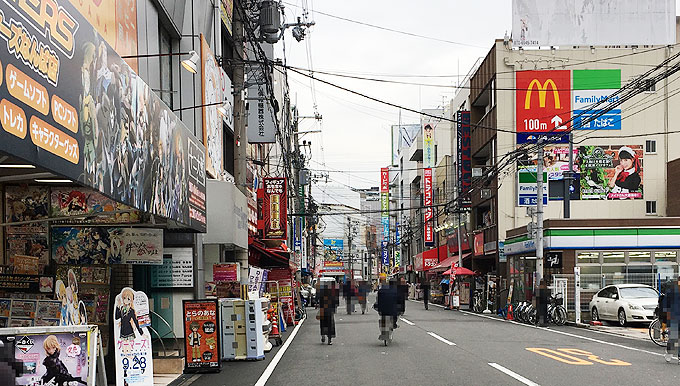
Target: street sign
x=527 y=189
x=543 y=104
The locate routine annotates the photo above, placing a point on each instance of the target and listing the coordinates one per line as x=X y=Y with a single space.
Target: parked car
x=624 y=303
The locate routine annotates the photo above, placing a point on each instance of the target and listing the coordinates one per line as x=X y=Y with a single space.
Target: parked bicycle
x=557 y=314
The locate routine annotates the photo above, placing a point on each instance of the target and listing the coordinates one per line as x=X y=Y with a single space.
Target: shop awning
x=277 y=256
x=446 y=264
x=459 y=271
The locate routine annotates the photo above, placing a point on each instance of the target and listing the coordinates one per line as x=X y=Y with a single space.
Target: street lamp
x=191 y=64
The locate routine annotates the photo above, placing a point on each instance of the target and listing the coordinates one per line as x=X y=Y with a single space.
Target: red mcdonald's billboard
x=543 y=103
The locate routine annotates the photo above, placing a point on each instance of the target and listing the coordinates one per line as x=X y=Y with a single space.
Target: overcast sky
x=355 y=134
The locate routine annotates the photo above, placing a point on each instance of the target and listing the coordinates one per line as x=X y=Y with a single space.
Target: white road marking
x=566 y=334
x=410 y=323
x=513 y=374
x=432 y=334
x=272 y=365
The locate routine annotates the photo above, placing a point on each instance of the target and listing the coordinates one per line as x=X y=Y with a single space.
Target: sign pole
x=539 y=214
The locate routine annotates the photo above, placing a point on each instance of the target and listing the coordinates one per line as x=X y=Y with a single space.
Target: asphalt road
x=440 y=347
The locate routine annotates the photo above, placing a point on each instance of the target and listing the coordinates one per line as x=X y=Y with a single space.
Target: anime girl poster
x=26 y=203
x=132 y=340
x=60 y=358
x=611 y=172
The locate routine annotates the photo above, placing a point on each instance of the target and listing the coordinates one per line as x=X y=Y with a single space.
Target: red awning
x=459 y=271
x=446 y=264
x=276 y=255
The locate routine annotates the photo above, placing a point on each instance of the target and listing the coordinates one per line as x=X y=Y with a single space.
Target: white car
x=625 y=303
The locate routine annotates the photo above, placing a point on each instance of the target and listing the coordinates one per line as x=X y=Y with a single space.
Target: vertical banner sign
x=464 y=160
x=596 y=86
x=385 y=201
x=543 y=105
x=274 y=208
x=429 y=212
x=200 y=335
x=132 y=340
x=428 y=145
x=385 y=254
x=211 y=84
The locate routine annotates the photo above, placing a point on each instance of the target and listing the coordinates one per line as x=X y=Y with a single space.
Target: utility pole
x=241 y=140
x=568 y=178
x=539 y=214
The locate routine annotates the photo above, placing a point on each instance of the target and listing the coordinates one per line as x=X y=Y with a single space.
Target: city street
x=441 y=347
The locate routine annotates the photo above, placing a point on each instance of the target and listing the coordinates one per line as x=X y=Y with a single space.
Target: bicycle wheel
x=560 y=317
x=656 y=334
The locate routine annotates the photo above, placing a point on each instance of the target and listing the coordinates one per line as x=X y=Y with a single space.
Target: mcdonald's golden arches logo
x=542 y=93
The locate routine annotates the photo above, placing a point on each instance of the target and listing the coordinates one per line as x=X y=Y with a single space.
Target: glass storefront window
x=670 y=256
x=614 y=269
x=613 y=257
x=667 y=272
x=588 y=257
x=639 y=256
x=590 y=269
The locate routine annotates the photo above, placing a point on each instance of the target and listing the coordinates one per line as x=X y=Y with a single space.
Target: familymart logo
x=592 y=94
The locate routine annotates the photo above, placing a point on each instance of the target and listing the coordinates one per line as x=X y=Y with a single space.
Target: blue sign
x=386 y=227
x=385 y=254
x=547 y=138
x=611 y=120
x=531 y=199
x=297 y=230
x=333 y=249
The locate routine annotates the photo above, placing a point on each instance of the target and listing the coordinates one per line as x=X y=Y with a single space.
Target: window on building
x=588 y=257
x=165 y=44
x=639 y=257
x=662 y=256
x=651 y=207
x=650 y=146
x=614 y=257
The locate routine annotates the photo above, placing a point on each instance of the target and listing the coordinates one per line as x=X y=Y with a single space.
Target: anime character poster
x=72 y=310
x=87 y=245
x=53 y=359
x=200 y=335
x=26 y=203
x=132 y=340
x=33 y=245
x=613 y=172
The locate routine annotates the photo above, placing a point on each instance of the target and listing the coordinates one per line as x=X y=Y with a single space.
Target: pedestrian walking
x=363 y=295
x=328 y=301
x=348 y=292
x=425 y=288
x=542 y=304
x=387 y=305
x=671 y=306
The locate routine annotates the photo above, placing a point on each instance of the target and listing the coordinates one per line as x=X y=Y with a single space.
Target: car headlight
x=634 y=306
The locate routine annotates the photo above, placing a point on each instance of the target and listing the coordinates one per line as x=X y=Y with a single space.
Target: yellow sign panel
x=542 y=91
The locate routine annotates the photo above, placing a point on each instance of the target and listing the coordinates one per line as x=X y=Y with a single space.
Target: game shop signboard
x=200 y=335
x=60 y=358
x=132 y=340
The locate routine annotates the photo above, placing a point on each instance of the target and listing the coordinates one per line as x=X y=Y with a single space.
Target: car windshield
x=637 y=292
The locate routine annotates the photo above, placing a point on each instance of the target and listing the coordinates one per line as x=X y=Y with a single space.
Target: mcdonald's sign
x=543 y=102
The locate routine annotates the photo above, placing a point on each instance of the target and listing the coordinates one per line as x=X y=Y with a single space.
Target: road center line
x=272 y=365
x=410 y=323
x=432 y=334
x=513 y=374
x=566 y=334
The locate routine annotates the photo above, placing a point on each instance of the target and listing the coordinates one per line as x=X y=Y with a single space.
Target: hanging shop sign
x=385 y=202
x=428 y=145
x=593 y=87
x=177 y=270
x=54 y=358
x=274 y=208
x=228 y=99
x=464 y=160
x=132 y=340
x=261 y=116
x=611 y=172
x=75 y=108
x=226 y=272
x=527 y=189
x=543 y=105
x=385 y=254
x=107 y=245
x=200 y=335
x=211 y=83
x=429 y=211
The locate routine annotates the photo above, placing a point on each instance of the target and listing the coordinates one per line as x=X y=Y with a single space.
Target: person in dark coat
x=56 y=372
x=328 y=300
x=387 y=305
x=425 y=288
x=542 y=304
x=364 y=288
x=671 y=306
x=402 y=294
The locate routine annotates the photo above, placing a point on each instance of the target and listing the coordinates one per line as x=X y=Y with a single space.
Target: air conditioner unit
x=477 y=172
x=485 y=193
